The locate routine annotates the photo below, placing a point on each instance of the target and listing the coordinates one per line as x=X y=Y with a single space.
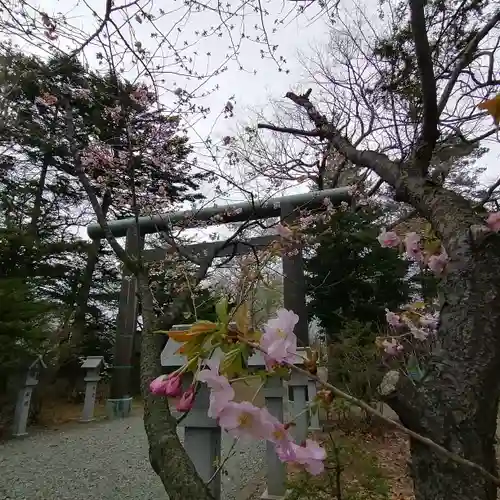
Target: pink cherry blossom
x=418 y=333
x=280 y=437
x=493 y=221
x=221 y=390
x=392 y=347
x=46 y=99
x=187 y=400
x=157 y=386
x=245 y=419
x=388 y=239
x=284 y=232
x=310 y=456
x=173 y=388
x=429 y=321
x=167 y=385
x=98 y=155
x=437 y=263
x=279 y=342
x=81 y=93
x=140 y=96
x=51 y=35
x=412 y=246
x=393 y=319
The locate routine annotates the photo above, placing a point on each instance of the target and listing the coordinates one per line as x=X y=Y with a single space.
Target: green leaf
x=232 y=364
x=414 y=371
x=221 y=309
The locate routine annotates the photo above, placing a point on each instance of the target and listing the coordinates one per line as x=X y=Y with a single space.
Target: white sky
x=295 y=33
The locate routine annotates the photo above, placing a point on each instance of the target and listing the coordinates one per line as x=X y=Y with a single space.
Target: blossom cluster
x=243 y=419
x=412 y=244
x=416 y=324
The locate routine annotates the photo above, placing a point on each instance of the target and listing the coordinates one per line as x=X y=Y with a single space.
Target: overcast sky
x=184 y=33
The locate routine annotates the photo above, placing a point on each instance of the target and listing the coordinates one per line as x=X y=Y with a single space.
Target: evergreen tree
x=350 y=277
x=110 y=116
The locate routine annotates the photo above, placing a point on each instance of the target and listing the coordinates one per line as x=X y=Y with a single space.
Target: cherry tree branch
x=84 y=180
x=489 y=193
x=380 y=163
x=430 y=133
x=97 y=32
x=372 y=411
x=290 y=130
x=466 y=58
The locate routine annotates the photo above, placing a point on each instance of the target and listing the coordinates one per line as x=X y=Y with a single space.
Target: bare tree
x=440 y=60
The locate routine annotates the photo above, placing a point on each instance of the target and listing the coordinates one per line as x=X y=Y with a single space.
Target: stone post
x=202 y=439
x=298 y=385
x=22 y=411
x=275 y=469
x=314 y=417
x=92 y=365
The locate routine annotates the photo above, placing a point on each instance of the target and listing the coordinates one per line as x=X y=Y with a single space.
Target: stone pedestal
x=92 y=365
x=22 y=411
x=202 y=440
x=118 y=408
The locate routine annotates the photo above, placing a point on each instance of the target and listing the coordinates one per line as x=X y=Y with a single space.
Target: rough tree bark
x=166 y=453
x=456 y=403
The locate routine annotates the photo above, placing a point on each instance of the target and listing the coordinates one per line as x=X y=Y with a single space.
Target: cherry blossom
x=392 y=346
x=310 y=456
x=81 y=93
x=388 y=239
x=221 y=390
x=437 y=263
x=140 y=96
x=284 y=231
x=429 y=321
x=280 y=437
x=418 y=333
x=187 y=400
x=98 y=155
x=393 y=319
x=157 y=386
x=412 y=246
x=279 y=342
x=46 y=99
x=170 y=386
x=245 y=419
x=493 y=221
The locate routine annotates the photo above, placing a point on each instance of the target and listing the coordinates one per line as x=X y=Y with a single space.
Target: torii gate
x=294 y=289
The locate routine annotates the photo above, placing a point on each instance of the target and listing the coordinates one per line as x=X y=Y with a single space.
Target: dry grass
x=372 y=460
x=55 y=412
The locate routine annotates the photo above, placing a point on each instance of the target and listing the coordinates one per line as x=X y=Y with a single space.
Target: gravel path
x=102 y=461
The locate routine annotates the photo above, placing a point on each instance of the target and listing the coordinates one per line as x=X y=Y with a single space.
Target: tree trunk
x=456 y=403
x=83 y=293
x=166 y=453
x=37 y=204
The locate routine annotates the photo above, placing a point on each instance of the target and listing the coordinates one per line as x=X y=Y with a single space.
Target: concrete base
x=21 y=434
x=315 y=429
x=118 y=408
x=87 y=420
x=267 y=496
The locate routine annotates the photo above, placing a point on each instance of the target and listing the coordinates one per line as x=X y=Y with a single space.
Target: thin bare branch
x=429 y=133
